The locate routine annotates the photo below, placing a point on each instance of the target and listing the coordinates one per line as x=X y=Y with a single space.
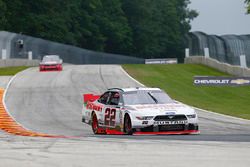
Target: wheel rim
x=127 y=124
x=94 y=124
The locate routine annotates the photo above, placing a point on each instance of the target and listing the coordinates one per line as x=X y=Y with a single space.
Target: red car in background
x=51 y=63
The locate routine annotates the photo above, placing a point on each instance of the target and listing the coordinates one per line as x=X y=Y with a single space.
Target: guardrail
x=18 y=62
x=224 y=67
x=20 y=46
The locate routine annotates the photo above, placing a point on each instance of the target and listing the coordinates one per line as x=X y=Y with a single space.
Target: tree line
x=141 y=28
x=248 y=6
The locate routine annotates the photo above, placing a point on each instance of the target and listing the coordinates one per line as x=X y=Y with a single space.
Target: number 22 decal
x=109 y=118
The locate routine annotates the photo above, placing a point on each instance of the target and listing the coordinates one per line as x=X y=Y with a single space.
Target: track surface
x=51 y=103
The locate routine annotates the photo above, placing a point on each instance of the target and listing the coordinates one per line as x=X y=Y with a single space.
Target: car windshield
x=146 y=97
x=50 y=58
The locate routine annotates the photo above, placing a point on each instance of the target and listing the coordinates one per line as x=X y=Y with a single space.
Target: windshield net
x=146 y=97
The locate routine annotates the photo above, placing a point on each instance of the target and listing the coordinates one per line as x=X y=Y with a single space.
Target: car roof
x=133 y=89
x=51 y=56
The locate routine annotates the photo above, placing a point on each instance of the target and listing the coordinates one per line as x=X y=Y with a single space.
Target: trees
x=248 y=6
x=143 y=28
x=3 y=15
x=112 y=26
x=158 y=26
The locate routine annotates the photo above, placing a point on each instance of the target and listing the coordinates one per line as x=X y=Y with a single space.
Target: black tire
x=128 y=125
x=83 y=120
x=94 y=124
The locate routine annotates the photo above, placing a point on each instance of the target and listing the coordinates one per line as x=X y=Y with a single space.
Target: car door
x=103 y=100
x=112 y=111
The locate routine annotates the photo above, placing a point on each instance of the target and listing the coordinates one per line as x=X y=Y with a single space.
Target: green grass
x=177 y=81
x=11 y=70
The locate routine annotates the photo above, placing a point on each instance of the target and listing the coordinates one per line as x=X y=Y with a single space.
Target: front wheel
x=128 y=125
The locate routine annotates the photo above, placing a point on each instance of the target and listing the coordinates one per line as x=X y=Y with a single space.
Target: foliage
x=248 y=6
x=2 y=14
x=143 y=28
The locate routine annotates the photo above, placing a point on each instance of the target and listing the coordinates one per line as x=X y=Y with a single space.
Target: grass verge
x=177 y=81
x=6 y=71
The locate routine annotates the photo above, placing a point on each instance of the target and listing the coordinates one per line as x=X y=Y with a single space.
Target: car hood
x=161 y=109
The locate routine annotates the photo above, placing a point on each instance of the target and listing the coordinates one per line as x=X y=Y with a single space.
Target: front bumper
x=55 y=67
x=151 y=130
x=168 y=130
x=185 y=132
x=161 y=128
x=188 y=126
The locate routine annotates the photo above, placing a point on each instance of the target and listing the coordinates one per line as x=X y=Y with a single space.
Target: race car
x=51 y=63
x=138 y=111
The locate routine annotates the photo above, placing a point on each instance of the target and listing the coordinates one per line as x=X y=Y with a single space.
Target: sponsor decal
x=221 y=81
x=120 y=116
x=169 y=122
x=92 y=106
x=170 y=113
x=240 y=81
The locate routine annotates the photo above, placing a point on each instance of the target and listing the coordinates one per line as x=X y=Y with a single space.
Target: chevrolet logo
x=240 y=81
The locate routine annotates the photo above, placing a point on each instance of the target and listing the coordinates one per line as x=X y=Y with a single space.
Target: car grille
x=171 y=128
x=170 y=117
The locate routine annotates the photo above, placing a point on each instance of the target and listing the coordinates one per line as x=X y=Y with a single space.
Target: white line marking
x=5 y=94
x=125 y=72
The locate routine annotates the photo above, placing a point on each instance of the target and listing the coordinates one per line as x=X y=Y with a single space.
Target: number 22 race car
x=138 y=111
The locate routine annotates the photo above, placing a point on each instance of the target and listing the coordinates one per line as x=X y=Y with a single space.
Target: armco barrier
x=18 y=62
x=19 y=46
x=227 y=68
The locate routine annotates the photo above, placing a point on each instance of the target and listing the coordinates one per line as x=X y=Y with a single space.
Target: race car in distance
x=51 y=63
x=138 y=111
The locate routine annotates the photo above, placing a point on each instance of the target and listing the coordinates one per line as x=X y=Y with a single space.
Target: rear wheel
x=128 y=125
x=94 y=124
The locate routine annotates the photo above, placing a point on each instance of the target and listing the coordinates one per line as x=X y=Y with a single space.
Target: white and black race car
x=138 y=111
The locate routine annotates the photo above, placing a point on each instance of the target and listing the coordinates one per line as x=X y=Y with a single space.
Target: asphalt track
x=51 y=102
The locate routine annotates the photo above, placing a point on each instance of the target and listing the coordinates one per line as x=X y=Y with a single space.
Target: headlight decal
x=191 y=116
x=144 y=117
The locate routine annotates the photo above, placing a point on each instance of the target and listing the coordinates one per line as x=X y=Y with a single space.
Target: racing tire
x=95 y=127
x=83 y=120
x=128 y=125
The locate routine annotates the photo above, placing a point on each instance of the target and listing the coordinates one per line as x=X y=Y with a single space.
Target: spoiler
x=90 y=97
